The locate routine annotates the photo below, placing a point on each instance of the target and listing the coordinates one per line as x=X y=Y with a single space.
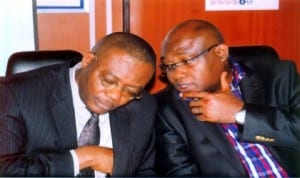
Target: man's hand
x=218 y=107
x=96 y=157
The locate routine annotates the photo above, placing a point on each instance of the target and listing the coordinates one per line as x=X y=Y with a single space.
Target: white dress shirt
x=82 y=115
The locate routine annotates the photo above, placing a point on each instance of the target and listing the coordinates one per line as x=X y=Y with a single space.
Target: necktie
x=90 y=135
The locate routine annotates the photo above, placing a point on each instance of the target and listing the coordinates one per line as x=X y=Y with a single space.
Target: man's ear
x=222 y=51
x=87 y=59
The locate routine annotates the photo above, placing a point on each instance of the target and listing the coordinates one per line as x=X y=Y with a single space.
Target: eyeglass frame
x=173 y=66
x=112 y=85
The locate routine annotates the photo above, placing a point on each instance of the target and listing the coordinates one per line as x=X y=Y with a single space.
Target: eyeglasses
x=172 y=67
x=112 y=84
x=125 y=92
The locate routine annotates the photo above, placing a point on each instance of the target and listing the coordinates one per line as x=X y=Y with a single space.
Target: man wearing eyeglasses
x=212 y=120
x=91 y=118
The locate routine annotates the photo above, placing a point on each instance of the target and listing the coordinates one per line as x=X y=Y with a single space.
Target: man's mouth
x=103 y=105
x=182 y=87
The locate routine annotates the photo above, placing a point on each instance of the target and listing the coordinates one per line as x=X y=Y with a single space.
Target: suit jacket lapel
x=217 y=137
x=62 y=107
x=251 y=85
x=120 y=130
x=252 y=88
x=213 y=132
x=253 y=92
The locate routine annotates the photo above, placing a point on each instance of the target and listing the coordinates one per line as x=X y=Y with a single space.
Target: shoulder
x=146 y=105
x=166 y=96
x=39 y=81
x=270 y=64
x=146 y=100
x=36 y=74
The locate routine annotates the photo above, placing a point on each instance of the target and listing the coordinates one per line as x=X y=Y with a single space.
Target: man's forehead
x=184 y=45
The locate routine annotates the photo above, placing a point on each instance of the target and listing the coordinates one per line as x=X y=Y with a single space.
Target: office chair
x=259 y=52
x=249 y=54
x=29 y=60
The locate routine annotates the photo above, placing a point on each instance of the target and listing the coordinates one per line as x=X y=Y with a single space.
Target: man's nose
x=115 y=94
x=179 y=72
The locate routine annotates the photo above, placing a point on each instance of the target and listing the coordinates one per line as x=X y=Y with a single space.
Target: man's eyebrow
x=134 y=87
x=127 y=86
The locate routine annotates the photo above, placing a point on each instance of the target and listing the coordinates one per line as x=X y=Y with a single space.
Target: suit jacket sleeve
x=173 y=155
x=146 y=167
x=147 y=164
x=15 y=160
x=133 y=140
x=277 y=120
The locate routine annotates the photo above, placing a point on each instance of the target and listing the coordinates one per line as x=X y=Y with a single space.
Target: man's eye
x=107 y=83
x=129 y=92
x=132 y=94
x=189 y=61
x=172 y=66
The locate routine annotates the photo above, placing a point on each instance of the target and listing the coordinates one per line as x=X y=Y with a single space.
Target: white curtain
x=17 y=29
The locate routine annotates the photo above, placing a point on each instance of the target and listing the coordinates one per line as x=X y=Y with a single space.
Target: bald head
x=130 y=43
x=193 y=29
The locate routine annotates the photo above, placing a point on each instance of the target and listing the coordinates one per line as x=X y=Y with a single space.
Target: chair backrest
x=259 y=52
x=254 y=56
x=29 y=60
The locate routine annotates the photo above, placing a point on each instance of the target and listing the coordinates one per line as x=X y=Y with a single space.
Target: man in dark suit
x=221 y=116
x=43 y=112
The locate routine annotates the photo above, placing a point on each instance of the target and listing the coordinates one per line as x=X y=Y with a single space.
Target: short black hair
x=131 y=43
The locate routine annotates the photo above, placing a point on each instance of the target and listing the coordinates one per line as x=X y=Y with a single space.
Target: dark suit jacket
x=188 y=147
x=37 y=127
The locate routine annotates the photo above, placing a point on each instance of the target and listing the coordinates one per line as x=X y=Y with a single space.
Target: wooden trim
x=126 y=15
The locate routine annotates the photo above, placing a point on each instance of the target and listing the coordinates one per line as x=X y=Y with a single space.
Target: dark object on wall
x=126 y=15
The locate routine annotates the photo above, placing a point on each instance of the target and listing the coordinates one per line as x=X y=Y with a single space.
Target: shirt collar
x=238 y=73
x=74 y=87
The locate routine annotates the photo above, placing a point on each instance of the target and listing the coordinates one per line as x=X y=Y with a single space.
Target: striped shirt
x=256 y=158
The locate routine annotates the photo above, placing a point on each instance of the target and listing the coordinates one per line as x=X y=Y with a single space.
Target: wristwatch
x=240 y=117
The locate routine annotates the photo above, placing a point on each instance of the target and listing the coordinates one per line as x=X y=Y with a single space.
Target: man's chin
x=98 y=109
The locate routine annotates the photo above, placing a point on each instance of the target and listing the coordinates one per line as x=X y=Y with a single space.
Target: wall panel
x=72 y=30
x=277 y=28
x=63 y=31
x=151 y=19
